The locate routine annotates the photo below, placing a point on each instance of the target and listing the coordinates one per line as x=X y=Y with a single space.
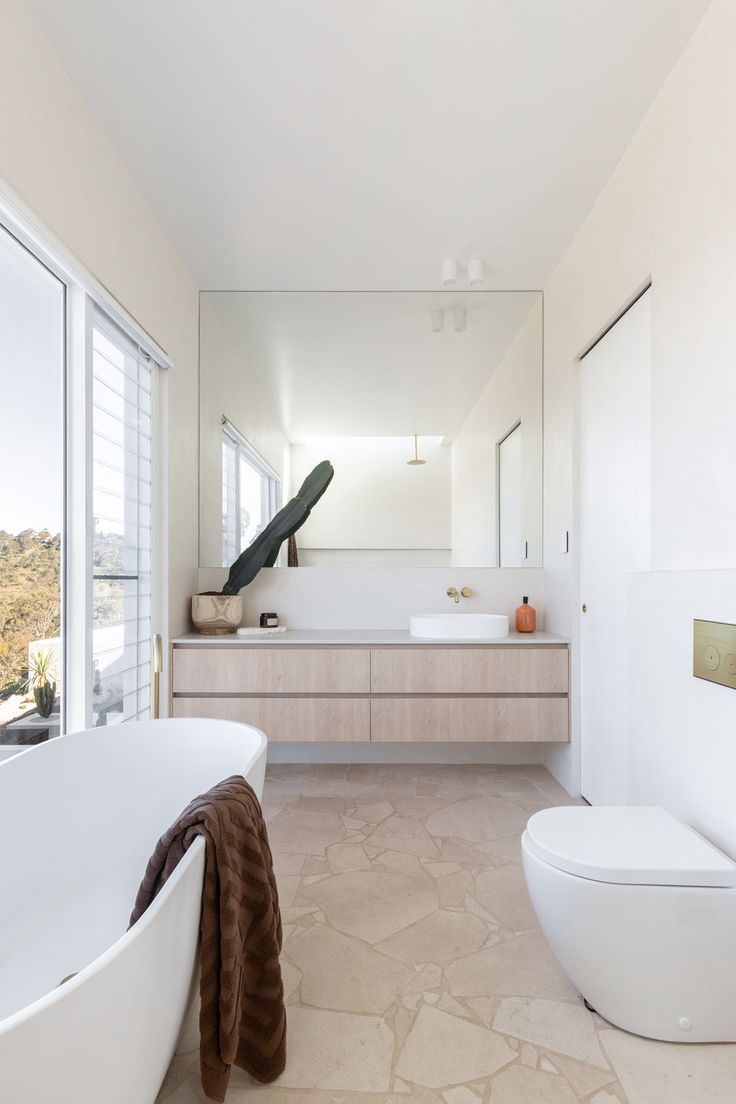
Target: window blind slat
x=123 y=533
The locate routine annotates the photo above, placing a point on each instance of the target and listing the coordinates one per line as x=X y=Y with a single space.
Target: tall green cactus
x=264 y=550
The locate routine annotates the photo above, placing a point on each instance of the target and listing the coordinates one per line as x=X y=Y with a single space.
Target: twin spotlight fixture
x=450 y=272
x=451 y=269
x=457 y=316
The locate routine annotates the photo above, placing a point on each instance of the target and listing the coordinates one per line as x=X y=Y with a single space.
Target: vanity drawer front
x=232 y=669
x=516 y=669
x=297 y=719
x=469 y=719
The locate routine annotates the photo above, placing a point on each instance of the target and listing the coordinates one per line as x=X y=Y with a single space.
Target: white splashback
x=379 y=598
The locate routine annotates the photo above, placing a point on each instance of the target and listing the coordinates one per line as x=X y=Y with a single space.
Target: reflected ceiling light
x=416 y=459
x=438 y=321
x=449 y=272
x=459 y=319
x=475 y=272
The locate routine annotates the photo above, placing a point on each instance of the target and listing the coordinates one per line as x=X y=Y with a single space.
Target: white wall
x=55 y=157
x=373 y=557
x=376 y=500
x=513 y=394
x=682 y=735
x=668 y=212
x=228 y=387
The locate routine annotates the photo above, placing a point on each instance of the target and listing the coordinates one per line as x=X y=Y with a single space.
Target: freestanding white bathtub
x=79 y=818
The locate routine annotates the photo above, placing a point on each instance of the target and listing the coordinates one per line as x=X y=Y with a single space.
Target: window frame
x=122 y=341
x=83 y=296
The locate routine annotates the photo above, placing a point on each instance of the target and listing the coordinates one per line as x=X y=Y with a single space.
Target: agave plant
x=41 y=666
x=264 y=550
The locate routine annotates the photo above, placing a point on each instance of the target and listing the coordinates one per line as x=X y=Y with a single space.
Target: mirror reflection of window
x=250 y=494
x=352 y=377
x=511 y=543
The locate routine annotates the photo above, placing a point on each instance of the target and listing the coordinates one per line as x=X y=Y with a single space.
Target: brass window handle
x=157 y=666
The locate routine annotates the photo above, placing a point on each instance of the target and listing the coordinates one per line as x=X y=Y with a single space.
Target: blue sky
x=31 y=391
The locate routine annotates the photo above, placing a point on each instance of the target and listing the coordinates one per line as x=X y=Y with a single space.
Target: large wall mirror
x=428 y=405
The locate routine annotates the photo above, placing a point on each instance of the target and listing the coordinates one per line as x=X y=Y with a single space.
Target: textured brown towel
x=243 y=1019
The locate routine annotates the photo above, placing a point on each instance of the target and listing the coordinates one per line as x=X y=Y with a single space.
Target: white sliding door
x=615 y=538
x=511 y=544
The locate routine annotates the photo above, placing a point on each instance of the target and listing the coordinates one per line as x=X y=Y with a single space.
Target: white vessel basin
x=459 y=626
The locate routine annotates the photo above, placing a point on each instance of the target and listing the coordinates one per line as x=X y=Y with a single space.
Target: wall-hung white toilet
x=641 y=913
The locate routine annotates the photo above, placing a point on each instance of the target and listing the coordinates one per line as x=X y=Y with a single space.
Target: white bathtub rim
x=173 y=721
x=15 y=1019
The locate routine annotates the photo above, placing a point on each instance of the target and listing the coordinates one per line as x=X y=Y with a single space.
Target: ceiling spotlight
x=449 y=273
x=438 y=321
x=416 y=459
x=459 y=319
x=475 y=271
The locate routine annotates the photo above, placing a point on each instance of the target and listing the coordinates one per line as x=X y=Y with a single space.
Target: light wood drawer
x=297 y=719
x=469 y=719
x=458 y=670
x=231 y=669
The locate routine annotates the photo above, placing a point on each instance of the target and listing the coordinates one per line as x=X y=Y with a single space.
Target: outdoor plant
x=265 y=548
x=41 y=666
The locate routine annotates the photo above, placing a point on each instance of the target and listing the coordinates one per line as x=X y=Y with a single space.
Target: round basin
x=459 y=626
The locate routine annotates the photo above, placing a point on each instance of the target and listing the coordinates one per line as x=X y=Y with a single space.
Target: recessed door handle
x=584 y=608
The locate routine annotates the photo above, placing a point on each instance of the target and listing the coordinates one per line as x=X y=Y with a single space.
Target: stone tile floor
x=413 y=965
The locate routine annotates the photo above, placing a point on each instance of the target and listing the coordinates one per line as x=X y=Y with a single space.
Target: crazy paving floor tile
x=413 y=966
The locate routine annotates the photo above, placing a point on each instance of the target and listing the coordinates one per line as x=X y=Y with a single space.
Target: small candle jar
x=269 y=620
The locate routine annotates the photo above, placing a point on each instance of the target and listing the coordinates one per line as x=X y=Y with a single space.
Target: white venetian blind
x=230 y=499
x=123 y=536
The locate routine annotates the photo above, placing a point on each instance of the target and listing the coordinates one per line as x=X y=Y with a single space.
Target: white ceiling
x=354 y=143
x=368 y=363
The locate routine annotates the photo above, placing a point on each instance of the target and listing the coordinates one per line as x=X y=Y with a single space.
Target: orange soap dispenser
x=526 y=617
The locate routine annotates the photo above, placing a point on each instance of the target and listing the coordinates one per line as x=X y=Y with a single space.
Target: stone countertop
x=369 y=638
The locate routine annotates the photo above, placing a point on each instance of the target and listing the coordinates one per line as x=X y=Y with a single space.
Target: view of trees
x=30 y=596
x=30 y=607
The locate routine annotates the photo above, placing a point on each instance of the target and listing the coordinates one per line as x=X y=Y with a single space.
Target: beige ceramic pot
x=217 y=614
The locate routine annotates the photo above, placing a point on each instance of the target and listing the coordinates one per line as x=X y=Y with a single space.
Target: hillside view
x=30 y=595
x=30 y=607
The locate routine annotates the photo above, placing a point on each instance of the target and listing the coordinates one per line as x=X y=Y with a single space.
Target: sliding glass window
x=80 y=494
x=32 y=384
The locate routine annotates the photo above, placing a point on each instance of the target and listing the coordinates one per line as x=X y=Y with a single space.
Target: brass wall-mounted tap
x=456 y=595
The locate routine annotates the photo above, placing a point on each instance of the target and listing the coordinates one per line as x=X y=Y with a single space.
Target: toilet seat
x=628 y=845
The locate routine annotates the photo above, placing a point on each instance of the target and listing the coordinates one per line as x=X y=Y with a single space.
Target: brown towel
x=243 y=1020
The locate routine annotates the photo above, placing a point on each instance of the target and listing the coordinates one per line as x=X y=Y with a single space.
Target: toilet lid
x=632 y=845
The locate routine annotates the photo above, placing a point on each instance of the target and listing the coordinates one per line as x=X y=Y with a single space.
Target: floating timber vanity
x=380 y=686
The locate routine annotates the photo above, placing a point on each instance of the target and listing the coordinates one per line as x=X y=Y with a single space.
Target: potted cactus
x=220 y=612
x=41 y=668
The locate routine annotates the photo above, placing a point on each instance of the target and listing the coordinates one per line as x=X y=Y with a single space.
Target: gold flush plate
x=714 y=652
